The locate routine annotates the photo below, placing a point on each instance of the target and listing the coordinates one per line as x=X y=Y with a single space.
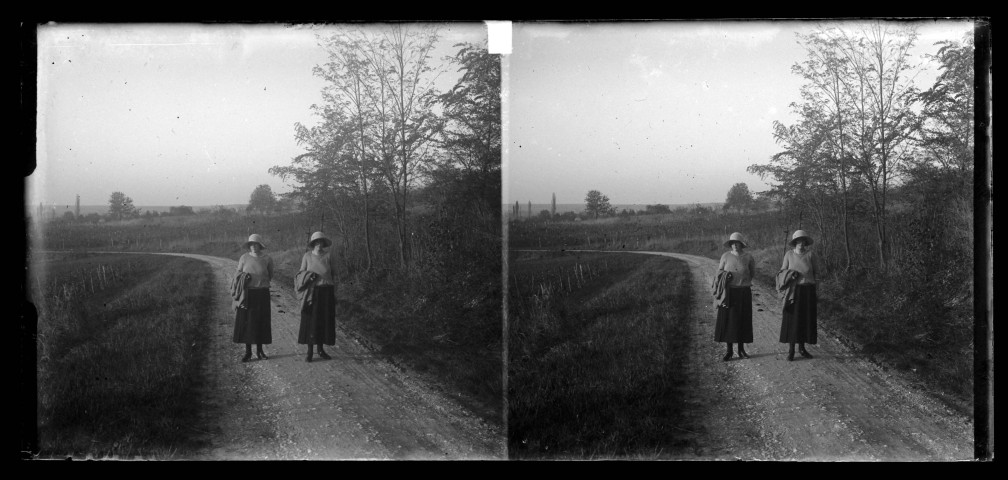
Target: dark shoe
x=804 y=353
x=322 y=354
x=261 y=355
x=308 y=358
x=727 y=356
x=790 y=355
x=247 y=357
x=742 y=353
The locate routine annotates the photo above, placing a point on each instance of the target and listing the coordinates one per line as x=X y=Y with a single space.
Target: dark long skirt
x=734 y=324
x=799 y=320
x=318 y=320
x=252 y=324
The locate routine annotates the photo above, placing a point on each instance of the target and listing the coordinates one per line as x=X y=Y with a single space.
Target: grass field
x=597 y=349
x=121 y=339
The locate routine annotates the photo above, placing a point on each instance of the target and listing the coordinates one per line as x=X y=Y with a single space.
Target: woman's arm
x=785 y=265
x=304 y=262
x=721 y=263
x=269 y=268
x=241 y=264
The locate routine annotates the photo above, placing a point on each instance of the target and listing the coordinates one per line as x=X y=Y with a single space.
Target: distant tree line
x=597 y=206
x=121 y=208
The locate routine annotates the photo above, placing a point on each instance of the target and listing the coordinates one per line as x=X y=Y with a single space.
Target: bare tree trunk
x=846 y=233
x=404 y=253
x=880 y=208
x=877 y=215
x=364 y=179
x=367 y=233
x=843 y=172
x=882 y=223
x=880 y=236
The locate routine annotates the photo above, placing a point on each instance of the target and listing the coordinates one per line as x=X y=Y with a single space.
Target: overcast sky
x=658 y=112
x=177 y=114
x=197 y=114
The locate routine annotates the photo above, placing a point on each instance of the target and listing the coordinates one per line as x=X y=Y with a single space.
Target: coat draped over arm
x=238 y=292
x=787 y=283
x=720 y=288
x=303 y=283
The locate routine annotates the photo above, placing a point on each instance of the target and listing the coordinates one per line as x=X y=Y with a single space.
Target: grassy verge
x=447 y=330
x=899 y=328
x=121 y=341
x=454 y=340
x=597 y=352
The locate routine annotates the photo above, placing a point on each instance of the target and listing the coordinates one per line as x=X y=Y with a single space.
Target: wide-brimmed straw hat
x=798 y=235
x=255 y=238
x=319 y=236
x=736 y=237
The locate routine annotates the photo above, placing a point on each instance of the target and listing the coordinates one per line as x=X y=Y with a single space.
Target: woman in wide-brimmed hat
x=734 y=323
x=798 y=324
x=252 y=319
x=318 y=319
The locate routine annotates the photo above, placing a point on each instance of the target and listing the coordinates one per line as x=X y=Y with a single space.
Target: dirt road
x=355 y=406
x=835 y=406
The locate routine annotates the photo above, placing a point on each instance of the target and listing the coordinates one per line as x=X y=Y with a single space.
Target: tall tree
x=798 y=169
x=828 y=76
x=553 y=206
x=262 y=199
x=883 y=97
x=597 y=204
x=856 y=122
x=739 y=197
x=946 y=132
x=350 y=81
x=470 y=138
x=121 y=206
x=472 y=111
x=401 y=60
x=324 y=179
